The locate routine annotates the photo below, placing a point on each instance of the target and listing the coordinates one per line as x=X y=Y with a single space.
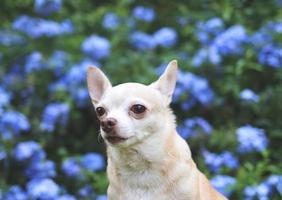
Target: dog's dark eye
x=138 y=108
x=100 y=111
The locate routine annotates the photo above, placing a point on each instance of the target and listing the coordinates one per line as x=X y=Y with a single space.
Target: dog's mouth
x=115 y=139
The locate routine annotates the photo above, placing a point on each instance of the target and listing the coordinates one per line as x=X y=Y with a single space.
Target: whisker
x=100 y=138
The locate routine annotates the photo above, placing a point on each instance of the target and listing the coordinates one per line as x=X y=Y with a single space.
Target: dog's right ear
x=97 y=83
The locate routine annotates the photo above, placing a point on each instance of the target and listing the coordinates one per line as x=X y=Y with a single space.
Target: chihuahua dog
x=147 y=159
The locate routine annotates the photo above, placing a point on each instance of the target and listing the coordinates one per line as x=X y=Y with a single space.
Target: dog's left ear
x=166 y=83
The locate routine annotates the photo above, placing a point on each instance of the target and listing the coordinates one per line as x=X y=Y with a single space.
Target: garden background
x=228 y=98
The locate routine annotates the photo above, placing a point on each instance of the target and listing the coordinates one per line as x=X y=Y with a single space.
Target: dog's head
x=130 y=112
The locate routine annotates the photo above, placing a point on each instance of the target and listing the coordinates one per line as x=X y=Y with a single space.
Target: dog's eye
x=138 y=108
x=100 y=111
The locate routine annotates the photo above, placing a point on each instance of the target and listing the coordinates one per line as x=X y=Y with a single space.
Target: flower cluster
x=198 y=87
x=12 y=123
x=97 y=47
x=264 y=189
x=47 y=7
x=54 y=113
x=191 y=127
x=36 y=27
x=271 y=55
x=111 y=21
x=223 y=184
x=10 y=38
x=164 y=37
x=218 y=42
x=216 y=161
x=40 y=171
x=144 y=13
x=91 y=161
x=249 y=95
x=251 y=139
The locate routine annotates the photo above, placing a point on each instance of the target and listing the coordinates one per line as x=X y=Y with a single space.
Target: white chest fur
x=136 y=177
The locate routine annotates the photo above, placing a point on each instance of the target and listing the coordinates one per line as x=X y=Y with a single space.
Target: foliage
x=227 y=100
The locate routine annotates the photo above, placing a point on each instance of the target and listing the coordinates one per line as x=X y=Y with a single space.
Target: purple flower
x=3 y=154
x=198 y=121
x=92 y=162
x=28 y=150
x=214 y=55
x=15 y=120
x=74 y=82
x=66 y=197
x=87 y=191
x=47 y=7
x=192 y=126
x=142 y=41
x=262 y=191
x=200 y=57
x=223 y=184
x=71 y=167
x=37 y=28
x=274 y=27
x=74 y=78
x=43 y=189
x=275 y=181
x=5 y=97
x=206 y=30
x=12 y=123
x=165 y=37
x=41 y=169
x=111 y=21
x=54 y=113
x=199 y=88
x=9 y=38
x=249 y=95
x=228 y=42
x=96 y=46
x=102 y=197
x=231 y=40
x=216 y=161
x=271 y=56
x=251 y=139
x=58 y=62
x=81 y=96
x=214 y=25
x=204 y=54
x=144 y=13
x=34 y=62
x=15 y=192
x=260 y=38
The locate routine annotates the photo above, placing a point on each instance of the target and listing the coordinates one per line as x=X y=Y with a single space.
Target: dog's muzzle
x=108 y=125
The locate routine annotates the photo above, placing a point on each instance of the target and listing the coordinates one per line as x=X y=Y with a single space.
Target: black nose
x=108 y=124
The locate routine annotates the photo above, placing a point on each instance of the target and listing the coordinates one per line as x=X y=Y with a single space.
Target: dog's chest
x=144 y=178
x=149 y=184
x=136 y=178
x=138 y=186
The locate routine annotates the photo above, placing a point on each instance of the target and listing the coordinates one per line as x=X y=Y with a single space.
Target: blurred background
x=228 y=98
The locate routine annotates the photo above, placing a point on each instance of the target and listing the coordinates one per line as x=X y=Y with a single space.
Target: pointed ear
x=97 y=83
x=166 y=83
